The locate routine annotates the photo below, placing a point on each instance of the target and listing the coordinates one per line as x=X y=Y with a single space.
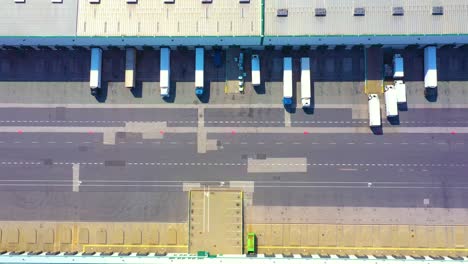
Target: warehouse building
x=232 y=22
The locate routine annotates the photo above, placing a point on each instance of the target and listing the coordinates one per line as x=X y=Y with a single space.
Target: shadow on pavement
x=137 y=91
x=431 y=94
x=377 y=130
x=101 y=95
x=394 y=120
x=403 y=107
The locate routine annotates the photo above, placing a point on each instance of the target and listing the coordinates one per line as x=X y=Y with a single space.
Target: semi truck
x=374 y=111
x=400 y=88
x=430 y=69
x=199 y=71
x=305 y=82
x=391 y=102
x=95 y=71
x=255 y=70
x=287 y=81
x=398 y=70
x=165 y=72
x=130 y=65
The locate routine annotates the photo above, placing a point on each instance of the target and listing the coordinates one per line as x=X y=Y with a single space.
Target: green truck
x=251 y=247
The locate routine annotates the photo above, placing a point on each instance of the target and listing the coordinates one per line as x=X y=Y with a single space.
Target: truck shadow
x=101 y=96
x=172 y=93
x=310 y=110
x=377 y=130
x=137 y=91
x=260 y=89
x=431 y=94
x=205 y=97
x=394 y=120
x=403 y=106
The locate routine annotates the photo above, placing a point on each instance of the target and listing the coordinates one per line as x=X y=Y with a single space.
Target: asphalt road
x=142 y=179
x=222 y=117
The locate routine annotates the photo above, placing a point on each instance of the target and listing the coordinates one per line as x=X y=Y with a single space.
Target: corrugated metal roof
x=378 y=19
x=183 y=18
x=38 y=18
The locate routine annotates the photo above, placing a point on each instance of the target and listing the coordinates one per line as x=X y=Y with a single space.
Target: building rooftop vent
x=437 y=10
x=398 y=11
x=57 y=1
x=20 y=1
x=283 y=12
x=132 y=1
x=206 y=1
x=359 y=11
x=320 y=12
x=244 y=1
x=94 y=1
x=169 y=1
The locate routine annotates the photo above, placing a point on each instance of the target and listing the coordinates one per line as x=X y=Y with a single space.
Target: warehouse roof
x=181 y=18
x=365 y=17
x=38 y=18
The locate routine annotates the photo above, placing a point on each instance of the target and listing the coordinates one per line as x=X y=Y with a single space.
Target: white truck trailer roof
x=430 y=67
x=400 y=87
x=398 y=69
x=374 y=110
x=95 y=69
x=255 y=70
x=130 y=64
x=199 y=67
x=391 y=102
x=287 y=77
x=305 y=82
x=165 y=71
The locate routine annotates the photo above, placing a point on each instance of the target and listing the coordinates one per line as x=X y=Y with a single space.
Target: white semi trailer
x=95 y=71
x=165 y=72
x=305 y=82
x=391 y=102
x=287 y=81
x=374 y=111
x=199 y=71
x=255 y=70
x=130 y=65
x=430 y=68
x=400 y=87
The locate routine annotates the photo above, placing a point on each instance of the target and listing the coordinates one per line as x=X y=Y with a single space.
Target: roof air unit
x=437 y=10
x=320 y=12
x=359 y=11
x=283 y=12
x=398 y=11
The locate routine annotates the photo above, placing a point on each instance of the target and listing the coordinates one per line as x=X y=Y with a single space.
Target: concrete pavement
x=397 y=170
